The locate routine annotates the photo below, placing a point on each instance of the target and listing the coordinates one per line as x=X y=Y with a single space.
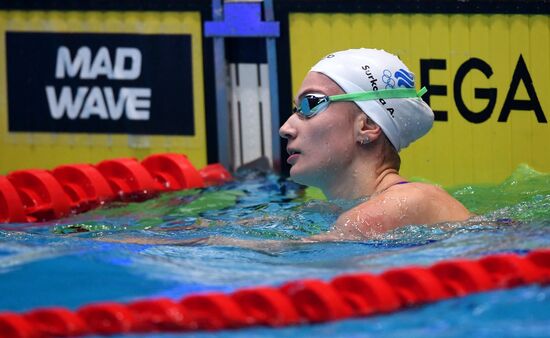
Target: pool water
x=83 y=259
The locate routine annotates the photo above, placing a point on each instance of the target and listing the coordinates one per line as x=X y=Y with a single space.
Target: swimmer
x=356 y=109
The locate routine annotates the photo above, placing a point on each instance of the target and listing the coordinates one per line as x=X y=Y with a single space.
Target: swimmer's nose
x=287 y=131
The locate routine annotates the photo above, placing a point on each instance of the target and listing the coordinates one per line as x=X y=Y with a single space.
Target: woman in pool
x=356 y=109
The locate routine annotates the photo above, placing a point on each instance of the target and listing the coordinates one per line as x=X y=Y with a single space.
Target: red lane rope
x=296 y=302
x=42 y=195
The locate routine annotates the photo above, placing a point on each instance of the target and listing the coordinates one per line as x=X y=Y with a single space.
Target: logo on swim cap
x=387 y=79
x=404 y=78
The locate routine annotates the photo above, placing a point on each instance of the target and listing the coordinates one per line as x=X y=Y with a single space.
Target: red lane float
x=510 y=270
x=107 y=318
x=173 y=171
x=303 y=301
x=462 y=277
x=367 y=294
x=267 y=306
x=14 y=325
x=57 y=322
x=11 y=206
x=215 y=174
x=214 y=311
x=42 y=195
x=128 y=179
x=85 y=185
x=541 y=258
x=316 y=301
x=158 y=315
x=415 y=285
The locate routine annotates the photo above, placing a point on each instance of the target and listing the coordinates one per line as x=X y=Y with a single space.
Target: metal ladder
x=247 y=103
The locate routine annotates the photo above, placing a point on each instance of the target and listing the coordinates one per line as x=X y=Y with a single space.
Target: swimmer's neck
x=359 y=185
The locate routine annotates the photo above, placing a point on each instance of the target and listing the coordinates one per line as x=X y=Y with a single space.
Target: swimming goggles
x=313 y=104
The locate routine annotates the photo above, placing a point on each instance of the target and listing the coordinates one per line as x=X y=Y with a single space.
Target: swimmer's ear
x=367 y=130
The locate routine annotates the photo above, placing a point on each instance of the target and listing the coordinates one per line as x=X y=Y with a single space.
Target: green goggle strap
x=398 y=93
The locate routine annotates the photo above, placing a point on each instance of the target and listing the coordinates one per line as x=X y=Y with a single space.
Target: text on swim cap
x=374 y=87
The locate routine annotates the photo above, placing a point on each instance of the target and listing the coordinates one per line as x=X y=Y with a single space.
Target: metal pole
x=222 y=111
x=273 y=89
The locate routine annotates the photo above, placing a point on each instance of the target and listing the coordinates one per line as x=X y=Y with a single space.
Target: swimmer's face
x=321 y=147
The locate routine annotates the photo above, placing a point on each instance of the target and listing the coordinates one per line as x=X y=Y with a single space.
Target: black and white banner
x=100 y=83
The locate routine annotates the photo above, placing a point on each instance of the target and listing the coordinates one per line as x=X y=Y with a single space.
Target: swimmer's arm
x=369 y=220
x=365 y=221
x=154 y=241
x=263 y=245
x=355 y=224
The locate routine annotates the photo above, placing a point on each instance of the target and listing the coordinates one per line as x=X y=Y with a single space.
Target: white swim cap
x=403 y=120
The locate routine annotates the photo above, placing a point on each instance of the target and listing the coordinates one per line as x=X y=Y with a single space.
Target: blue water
x=74 y=261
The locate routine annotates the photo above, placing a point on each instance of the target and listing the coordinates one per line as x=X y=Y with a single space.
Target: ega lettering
x=520 y=75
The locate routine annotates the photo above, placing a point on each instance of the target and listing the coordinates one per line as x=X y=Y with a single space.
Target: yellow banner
x=488 y=78
x=99 y=81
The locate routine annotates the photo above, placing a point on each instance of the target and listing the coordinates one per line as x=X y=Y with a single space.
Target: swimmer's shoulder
x=433 y=203
x=400 y=205
x=382 y=212
x=420 y=203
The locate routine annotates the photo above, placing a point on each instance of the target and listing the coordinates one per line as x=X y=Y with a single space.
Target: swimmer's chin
x=296 y=177
x=303 y=180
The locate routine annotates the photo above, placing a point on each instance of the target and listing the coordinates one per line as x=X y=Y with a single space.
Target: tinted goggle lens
x=312 y=104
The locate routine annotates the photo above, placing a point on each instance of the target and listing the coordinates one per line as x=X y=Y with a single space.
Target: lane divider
x=43 y=195
x=296 y=302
